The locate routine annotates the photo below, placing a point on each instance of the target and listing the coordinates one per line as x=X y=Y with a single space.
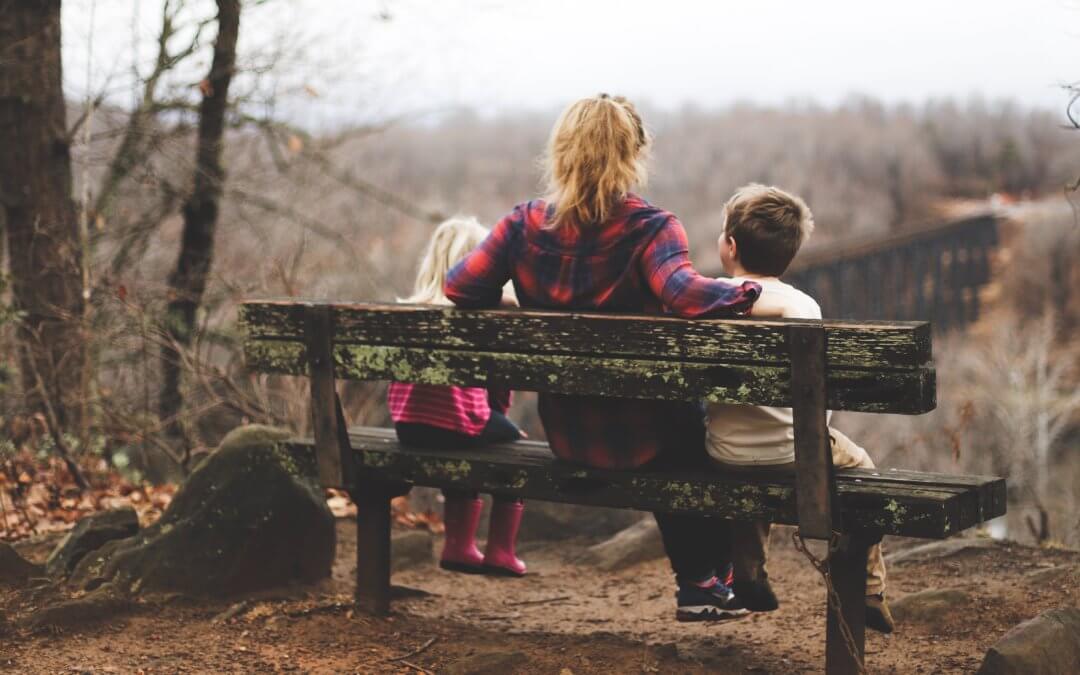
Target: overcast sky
x=538 y=54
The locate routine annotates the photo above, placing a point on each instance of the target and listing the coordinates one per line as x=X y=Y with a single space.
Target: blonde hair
x=768 y=225
x=452 y=240
x=597 y=152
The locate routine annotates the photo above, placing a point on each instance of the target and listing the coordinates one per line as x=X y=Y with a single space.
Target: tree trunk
x=36 y=196
x=188 y=280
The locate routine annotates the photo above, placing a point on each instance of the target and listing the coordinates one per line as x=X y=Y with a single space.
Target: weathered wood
x=816 y=484
x=327 y=420
x=847 y=571
x=907 y=503
x=372 y=548
x=991 y=490
x=867 y=390
x=851 y=344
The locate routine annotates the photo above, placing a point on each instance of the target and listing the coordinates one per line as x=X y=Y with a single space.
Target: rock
x=489 y=663
x=410 y=548
x=99 y=604
x=939 y=549
x=37 y=548
x=549 y=521
x=90 y=534
x=1049 y=644
x=250 y=517
x=16 y=570
x=929 y=605
x=638 y=543
x=1052 y=575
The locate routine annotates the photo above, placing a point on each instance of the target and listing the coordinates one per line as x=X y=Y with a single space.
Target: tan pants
x=750 y=540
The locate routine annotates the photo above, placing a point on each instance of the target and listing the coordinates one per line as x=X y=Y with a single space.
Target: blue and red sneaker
x=709 y=600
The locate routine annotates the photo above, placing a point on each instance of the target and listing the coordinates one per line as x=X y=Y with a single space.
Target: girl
x=448 y=418
x=592 y=244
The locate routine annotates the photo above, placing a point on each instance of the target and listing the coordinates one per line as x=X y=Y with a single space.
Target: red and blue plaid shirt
x=637 y=262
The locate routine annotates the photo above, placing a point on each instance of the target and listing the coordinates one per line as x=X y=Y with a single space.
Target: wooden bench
x=812 y=366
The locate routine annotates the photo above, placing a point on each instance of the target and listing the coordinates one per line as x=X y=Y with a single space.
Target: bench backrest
x=870 y=366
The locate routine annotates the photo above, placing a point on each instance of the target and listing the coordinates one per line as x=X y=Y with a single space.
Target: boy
x=763 y=230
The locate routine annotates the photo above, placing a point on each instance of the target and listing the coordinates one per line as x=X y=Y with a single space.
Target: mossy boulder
x=1049 y=644
x=930 y=605
x=90 y=534
x=641 y=542
x=250 y=517
x=14 y=569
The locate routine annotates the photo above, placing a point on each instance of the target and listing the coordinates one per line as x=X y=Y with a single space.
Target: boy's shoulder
x=780 y=299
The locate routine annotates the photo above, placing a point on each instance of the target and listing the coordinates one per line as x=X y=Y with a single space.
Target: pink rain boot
x=499 y=558
x=461 y=515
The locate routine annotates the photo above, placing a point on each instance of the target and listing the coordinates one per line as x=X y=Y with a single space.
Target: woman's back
x=635 y=262
x=586 y=269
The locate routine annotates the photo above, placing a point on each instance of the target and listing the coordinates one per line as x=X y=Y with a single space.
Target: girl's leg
x=500 y=557
x=461 y=509
x=461 y=515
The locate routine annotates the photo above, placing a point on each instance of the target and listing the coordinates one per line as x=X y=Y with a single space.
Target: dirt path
x=561 y=617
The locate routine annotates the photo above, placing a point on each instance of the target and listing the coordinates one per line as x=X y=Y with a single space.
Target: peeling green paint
x=446 y=468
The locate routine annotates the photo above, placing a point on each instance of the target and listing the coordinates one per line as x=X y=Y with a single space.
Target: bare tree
x=1024 y=381
x=188 y=281
x=41 y=223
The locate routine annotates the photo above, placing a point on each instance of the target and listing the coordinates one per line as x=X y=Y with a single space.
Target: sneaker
x=712 y=602
x=756 y=596
x=878 y=616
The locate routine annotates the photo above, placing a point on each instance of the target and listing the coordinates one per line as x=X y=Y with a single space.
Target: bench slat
x=894 y=391
x=933 y=509
x=851 y=344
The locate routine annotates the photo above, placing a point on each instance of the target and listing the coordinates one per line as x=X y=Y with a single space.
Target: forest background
x=204 y=169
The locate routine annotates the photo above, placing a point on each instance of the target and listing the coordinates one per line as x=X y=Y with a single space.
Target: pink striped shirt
x=465 y=410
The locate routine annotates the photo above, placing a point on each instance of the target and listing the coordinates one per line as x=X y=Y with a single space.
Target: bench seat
x=889 y=501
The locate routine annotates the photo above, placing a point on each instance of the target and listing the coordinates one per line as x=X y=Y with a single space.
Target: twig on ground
x=417 y=668
x=323 y=608
x=541 y=601
x=414 y=652
x=233 y=611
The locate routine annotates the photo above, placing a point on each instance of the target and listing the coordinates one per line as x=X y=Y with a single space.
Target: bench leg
x=372 y=550
x=847 y=568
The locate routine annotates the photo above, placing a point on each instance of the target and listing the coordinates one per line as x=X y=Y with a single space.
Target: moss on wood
x=850 y=343
x=898 y=391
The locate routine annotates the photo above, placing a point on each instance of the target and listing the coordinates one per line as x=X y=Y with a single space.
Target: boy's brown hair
x=768 y=226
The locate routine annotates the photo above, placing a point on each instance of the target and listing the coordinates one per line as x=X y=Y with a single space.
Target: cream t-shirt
x=746 y=434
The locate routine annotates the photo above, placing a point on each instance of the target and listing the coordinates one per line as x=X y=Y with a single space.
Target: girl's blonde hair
x=452 y=241
x=597 y=152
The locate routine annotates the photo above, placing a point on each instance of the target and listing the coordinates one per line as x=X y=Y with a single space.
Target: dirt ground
x=561 y=619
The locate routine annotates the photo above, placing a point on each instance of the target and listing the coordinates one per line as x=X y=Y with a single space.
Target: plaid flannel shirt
x=637 y=262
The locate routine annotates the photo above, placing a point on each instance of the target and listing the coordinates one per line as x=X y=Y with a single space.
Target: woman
x=593 y=245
